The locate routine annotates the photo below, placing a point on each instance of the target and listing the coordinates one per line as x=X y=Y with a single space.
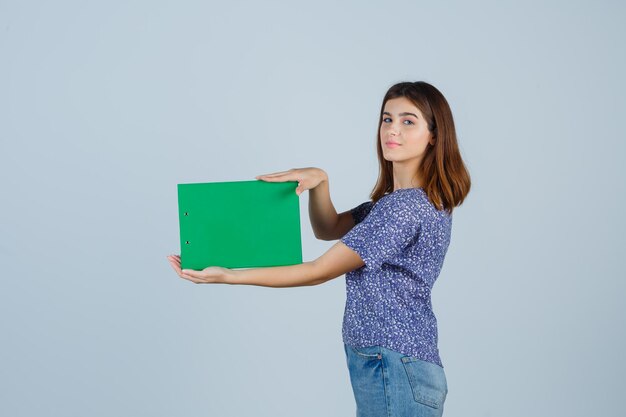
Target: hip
x=390 y=383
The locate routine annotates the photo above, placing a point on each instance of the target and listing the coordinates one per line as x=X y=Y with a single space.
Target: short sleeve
x=392 y=223
x=360 y=211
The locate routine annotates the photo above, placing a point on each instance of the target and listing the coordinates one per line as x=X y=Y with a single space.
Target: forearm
x=322 y=213
x=305 y=274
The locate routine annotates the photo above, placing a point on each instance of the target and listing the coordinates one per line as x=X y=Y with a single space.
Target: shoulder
x=402 y=199
x=413 y=202
x=403 y=206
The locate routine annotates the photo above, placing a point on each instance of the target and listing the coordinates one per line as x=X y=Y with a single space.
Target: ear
x=433 y=136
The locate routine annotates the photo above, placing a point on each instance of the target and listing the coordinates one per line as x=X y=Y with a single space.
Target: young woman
x=391 y=250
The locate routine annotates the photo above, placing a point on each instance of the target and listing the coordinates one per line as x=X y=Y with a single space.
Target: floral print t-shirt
x=403 y=240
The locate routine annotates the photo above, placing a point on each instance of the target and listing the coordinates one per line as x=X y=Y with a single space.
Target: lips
x=392 y=144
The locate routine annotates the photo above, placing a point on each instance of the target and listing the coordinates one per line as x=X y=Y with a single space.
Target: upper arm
x=345 y=222
x=348 y=219
x=338 y=260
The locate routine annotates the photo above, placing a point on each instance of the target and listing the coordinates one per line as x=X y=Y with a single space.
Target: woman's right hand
x=308 y=178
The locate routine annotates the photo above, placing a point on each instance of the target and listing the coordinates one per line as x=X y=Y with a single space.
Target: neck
x=405 y=175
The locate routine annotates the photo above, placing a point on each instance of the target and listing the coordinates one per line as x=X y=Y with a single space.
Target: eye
x=409 y=122
x=385 y=119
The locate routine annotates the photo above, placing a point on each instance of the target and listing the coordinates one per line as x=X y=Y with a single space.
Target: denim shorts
x=387 y=383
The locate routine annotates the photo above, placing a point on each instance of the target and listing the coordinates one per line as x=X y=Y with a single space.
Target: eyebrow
x=403 y=114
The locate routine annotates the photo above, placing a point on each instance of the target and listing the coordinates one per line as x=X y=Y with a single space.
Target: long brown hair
x=446 y=180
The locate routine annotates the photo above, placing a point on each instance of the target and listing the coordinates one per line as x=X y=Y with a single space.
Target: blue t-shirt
x=403 y=240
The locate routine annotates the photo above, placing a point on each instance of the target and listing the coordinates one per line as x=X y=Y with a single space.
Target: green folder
x=239 y=224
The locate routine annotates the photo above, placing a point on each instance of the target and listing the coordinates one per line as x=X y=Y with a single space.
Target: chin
x=390 y=158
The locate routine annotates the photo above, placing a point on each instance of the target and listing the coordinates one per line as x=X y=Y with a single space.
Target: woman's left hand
x=210 y=275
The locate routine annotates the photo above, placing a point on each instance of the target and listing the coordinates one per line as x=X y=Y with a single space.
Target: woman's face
x=404 y=133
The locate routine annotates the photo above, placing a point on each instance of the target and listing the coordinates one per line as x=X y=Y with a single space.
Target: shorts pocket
x=428 y=381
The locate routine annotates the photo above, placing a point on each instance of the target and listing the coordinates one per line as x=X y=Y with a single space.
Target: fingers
x=191 y=273
x=273 y=174
x=188 y=278
x=278 y=176
x=175 y=262
x=275 y=178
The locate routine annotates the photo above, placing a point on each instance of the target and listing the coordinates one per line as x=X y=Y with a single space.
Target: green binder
x=239 y=224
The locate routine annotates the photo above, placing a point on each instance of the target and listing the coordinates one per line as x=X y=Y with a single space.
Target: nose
x=392 y=129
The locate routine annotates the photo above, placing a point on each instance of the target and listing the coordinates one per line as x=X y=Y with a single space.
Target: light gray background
x=106 y=106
